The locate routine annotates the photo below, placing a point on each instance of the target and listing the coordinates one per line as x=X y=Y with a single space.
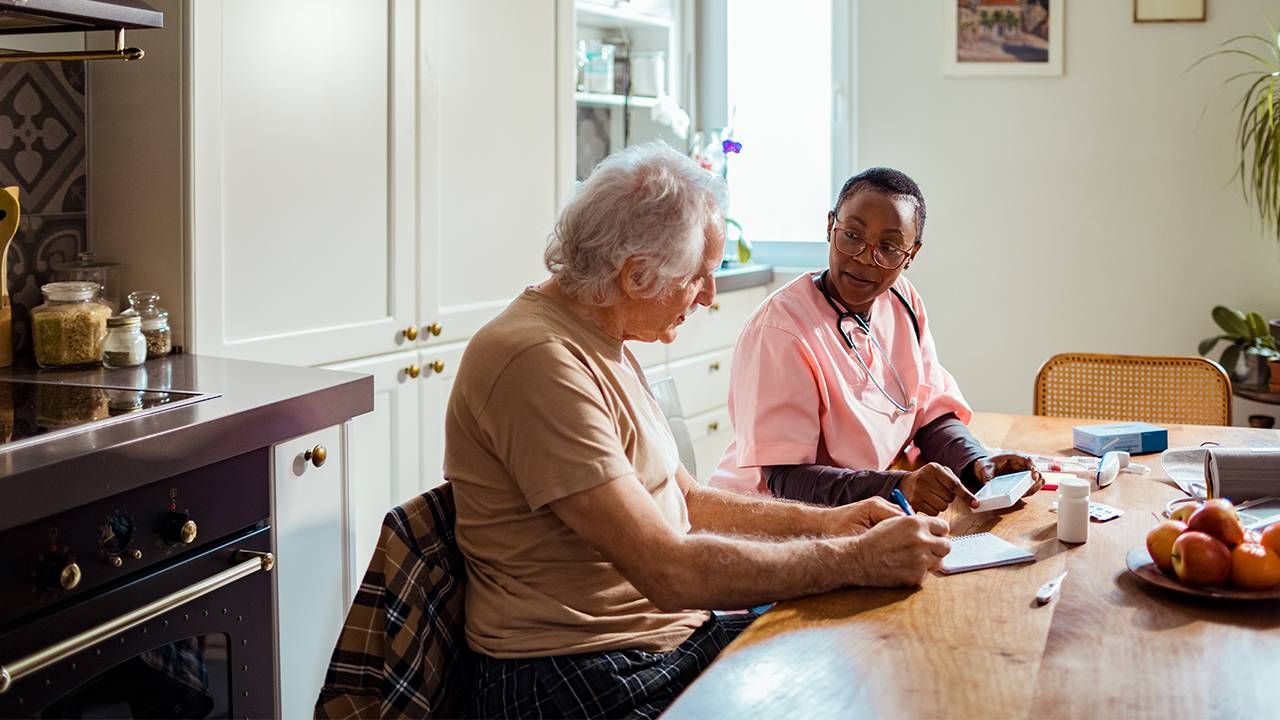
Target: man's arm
x=708 y=571
x=728 y=513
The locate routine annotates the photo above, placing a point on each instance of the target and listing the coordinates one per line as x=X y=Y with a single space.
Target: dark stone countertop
x=260 y=404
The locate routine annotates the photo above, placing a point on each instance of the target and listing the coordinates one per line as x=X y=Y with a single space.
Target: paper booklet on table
x=982 y=550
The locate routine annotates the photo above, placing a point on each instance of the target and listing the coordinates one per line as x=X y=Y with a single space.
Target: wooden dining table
x=977 y=645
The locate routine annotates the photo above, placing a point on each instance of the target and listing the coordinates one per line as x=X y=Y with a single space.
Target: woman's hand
x=859 y=517
x=931 y=489
x=989 y=467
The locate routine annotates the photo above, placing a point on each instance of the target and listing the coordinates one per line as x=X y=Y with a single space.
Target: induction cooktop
x=32 y=411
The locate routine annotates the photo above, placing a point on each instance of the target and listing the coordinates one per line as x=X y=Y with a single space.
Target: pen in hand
x=901 y=499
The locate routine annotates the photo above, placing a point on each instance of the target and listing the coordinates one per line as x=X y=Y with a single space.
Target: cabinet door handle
x=715 y=366
x=410 y=333
x=437 y=367
x=413 y=371
x=715 y=307
x=316 y=455
x=713 y=426
x=435 y=329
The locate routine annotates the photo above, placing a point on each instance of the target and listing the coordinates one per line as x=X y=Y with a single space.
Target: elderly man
x=593 y=556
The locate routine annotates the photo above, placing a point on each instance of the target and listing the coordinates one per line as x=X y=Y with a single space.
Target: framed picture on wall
x=1168 y=10
x=1003 y=37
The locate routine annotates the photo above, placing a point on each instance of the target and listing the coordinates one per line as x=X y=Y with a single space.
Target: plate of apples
x=1203 y=550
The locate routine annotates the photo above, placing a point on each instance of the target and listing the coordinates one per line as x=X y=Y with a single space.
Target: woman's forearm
x=825 y=485
x=947 y=441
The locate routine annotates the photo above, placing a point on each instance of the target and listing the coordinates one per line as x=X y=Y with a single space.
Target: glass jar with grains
x=155 y=322
x=124 y=346
x=70 y=326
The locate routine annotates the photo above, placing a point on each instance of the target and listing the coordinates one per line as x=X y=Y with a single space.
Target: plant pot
x=1250 y=371
x=1275 y=375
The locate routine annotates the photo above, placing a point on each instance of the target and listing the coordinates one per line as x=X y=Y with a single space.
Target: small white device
x=1049 y=589
x=1003 y=491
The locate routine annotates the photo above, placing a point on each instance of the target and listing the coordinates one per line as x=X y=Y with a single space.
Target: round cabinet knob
x=180 y=528
x=715 y=367
x=411 y=333
x=69 y=578
x=413 y=371
x=437 y=367
x=715 y=307
x=713 y=426
x=435 y=329
x=318 y=454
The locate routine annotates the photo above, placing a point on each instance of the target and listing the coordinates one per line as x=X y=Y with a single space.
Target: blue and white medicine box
x=1132 y=437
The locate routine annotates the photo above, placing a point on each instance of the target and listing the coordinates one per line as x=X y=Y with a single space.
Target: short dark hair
x=890 y=182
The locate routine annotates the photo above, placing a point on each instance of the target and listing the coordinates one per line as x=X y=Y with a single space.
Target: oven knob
x=179 y=528
x=61 y=572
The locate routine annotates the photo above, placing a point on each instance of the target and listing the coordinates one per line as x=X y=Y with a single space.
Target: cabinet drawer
x=711 y=433
x=717 y=326
x=702 y=381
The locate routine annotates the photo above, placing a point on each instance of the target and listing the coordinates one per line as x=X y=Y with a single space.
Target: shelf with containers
x=625 y=56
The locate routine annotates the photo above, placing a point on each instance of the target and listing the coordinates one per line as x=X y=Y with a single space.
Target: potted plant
x=1258 y=129
x=1252 y=346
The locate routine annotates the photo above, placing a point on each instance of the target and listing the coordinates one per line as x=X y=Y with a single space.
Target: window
x=789 y=103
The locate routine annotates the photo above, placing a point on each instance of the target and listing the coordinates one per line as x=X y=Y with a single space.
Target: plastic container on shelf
x=70 y=326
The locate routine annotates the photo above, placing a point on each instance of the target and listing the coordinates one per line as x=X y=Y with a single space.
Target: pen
x=901 y=499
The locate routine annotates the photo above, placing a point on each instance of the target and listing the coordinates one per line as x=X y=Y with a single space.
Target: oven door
x=191 y=639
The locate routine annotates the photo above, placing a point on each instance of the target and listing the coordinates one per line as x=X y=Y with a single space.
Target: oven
x=153 y=603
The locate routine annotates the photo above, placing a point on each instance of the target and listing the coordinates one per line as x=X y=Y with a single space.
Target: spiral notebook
x=982 y=550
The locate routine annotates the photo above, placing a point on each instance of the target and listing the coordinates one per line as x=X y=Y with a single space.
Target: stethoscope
x=841 y=316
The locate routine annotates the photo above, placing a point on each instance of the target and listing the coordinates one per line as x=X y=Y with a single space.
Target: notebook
x=982 y=550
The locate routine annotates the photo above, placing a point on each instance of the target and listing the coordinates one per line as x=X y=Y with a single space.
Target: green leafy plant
x=1247 y=333
x=1258 y=129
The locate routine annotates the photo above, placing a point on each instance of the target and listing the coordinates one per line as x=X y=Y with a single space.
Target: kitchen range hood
x=51 y=16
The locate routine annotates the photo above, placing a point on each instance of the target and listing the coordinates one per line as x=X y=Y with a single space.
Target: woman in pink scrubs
x=836 y=374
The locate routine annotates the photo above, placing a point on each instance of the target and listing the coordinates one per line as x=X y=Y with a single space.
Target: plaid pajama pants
x=611 y=684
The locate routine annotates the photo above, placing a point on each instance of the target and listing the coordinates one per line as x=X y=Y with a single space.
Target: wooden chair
x=1153 y=388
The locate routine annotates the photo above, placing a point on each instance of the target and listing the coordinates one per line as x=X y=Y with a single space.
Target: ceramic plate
x=1141 y=564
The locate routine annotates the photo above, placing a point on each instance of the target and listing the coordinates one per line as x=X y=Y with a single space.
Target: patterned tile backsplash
x=42 y=151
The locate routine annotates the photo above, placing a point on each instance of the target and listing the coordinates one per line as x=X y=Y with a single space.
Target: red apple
x=1218 y=518
x=1254 y=567
x=1183 y=511
x=1271 y=537
x=1199 y=559
x=1160 y=542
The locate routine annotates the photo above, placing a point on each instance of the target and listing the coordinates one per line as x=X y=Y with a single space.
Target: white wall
x=1082 y=213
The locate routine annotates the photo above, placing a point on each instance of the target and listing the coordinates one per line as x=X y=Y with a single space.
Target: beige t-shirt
x=546 y=405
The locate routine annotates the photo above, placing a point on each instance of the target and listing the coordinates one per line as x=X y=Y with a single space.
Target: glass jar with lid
x=88 y=267
x=68 y=328
x=155 y=322
x=124 y=346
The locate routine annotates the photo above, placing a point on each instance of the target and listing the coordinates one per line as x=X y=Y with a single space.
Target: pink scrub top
x=797 y=395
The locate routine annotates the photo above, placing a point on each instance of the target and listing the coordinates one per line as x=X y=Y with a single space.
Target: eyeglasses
x=887 y=255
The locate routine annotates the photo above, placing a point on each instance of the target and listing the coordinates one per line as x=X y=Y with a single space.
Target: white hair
x=646 y=202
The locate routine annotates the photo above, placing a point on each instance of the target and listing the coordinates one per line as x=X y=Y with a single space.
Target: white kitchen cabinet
x=383 y=449
x=440 y=368
x=487 y=153
x=710 y=433
x=312 y=574
x=302 y=177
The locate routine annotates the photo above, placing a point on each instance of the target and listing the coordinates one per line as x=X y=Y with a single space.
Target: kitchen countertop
x=741 y=277
x=260 y=404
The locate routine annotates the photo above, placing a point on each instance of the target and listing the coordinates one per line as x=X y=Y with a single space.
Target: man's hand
x=989 y=467
x=931 y=489
x=859 y=517
x=900 y=551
